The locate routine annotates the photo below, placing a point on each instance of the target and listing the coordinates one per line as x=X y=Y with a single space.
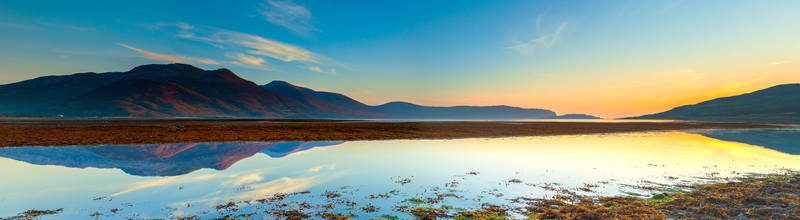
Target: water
x=165 y=181
x=522 y=120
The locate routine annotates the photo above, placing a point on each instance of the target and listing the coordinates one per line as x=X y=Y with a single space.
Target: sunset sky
x=605 y=58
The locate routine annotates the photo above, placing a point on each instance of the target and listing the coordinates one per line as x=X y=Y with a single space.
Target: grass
x=109 y=131
x=773 y=197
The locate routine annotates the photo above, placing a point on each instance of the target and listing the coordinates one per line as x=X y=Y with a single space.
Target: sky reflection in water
x=189 y=179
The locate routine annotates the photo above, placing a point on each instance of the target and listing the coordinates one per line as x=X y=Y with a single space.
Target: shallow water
x=191 y=179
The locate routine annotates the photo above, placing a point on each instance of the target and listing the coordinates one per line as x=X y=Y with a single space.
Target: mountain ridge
x=779 y=103
x=181 y=90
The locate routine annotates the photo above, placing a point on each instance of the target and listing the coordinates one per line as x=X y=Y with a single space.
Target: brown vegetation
x=126 y=131
x=775 y=197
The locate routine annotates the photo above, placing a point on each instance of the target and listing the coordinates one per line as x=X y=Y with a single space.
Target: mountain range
x=181 y=90
x=779 y=103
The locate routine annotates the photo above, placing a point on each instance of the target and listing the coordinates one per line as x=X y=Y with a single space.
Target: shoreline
x=770 y=196
x=67 y=132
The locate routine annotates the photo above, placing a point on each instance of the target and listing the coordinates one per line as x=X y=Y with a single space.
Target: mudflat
x=61 y=132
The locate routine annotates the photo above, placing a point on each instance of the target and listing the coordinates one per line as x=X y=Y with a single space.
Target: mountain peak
x=278 y=83
x=400 y=104
x=788 y=86
x=165 y=67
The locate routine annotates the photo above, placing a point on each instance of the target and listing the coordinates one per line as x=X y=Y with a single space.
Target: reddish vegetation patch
x=775 y=197
x=129 y=131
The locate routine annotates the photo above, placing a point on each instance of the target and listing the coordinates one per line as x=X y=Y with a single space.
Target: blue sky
x=608 y=58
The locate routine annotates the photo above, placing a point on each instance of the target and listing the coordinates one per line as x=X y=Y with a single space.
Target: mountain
x=326 y=104
x=405 y=110
x=775 y=104
x=345 y=106
x=149 y=90
x=575 y=116
x=180 y=90
x=156 y=159
x=143 y=98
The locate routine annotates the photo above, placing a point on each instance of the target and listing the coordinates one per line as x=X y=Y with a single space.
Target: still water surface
x=168 y=180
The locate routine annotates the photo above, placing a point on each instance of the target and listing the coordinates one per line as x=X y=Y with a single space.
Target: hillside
x=779 y=103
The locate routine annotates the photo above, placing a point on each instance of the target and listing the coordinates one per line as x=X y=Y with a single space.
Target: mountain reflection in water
x=157 y=159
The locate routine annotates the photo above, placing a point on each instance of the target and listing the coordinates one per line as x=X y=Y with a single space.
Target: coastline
x=771 y=196
x=65 y=132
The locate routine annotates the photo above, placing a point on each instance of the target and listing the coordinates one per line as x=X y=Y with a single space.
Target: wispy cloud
x=251 y=44
x=294 y=17
x=179 y=25
x=69 y=26
x=779 y=62
x=320 y=70
x=170 y=58
x=542 y=41
x=243 y=58
x=316 y=69
x=249 y=50
x=153 y=56
x=208 y=61
x=19 y=26
x=270 y=48
x=47 y=25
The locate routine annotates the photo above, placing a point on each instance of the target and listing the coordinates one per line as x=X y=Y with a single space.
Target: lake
x=201 y=179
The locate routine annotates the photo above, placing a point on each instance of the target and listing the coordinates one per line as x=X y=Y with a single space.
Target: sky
x=605 y=58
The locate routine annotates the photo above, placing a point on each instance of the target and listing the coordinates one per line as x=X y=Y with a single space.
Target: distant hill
x=181 y=90
x=326 y=104
x=405 y=110
x=575 y=116
x=775 y=104
x=334 y=102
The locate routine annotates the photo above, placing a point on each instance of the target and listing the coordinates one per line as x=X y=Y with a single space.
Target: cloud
x=179 y=25
x=153 y=56
x=251 y=44
x=271 y=48
x=208 y=61
x=249 y=50
x=291 y=16
x=316 y=69
x=319 y=69
x=170 y=58
x=779 y=62
x=69 y=27
x=20 y=26
x=47 y=25
x=243 y=58
x=543 y=41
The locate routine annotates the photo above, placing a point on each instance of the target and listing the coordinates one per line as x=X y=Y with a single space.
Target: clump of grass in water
x=33 y=213
x=415 y=201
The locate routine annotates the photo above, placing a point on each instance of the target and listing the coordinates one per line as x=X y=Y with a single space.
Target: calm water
x=191 y=179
